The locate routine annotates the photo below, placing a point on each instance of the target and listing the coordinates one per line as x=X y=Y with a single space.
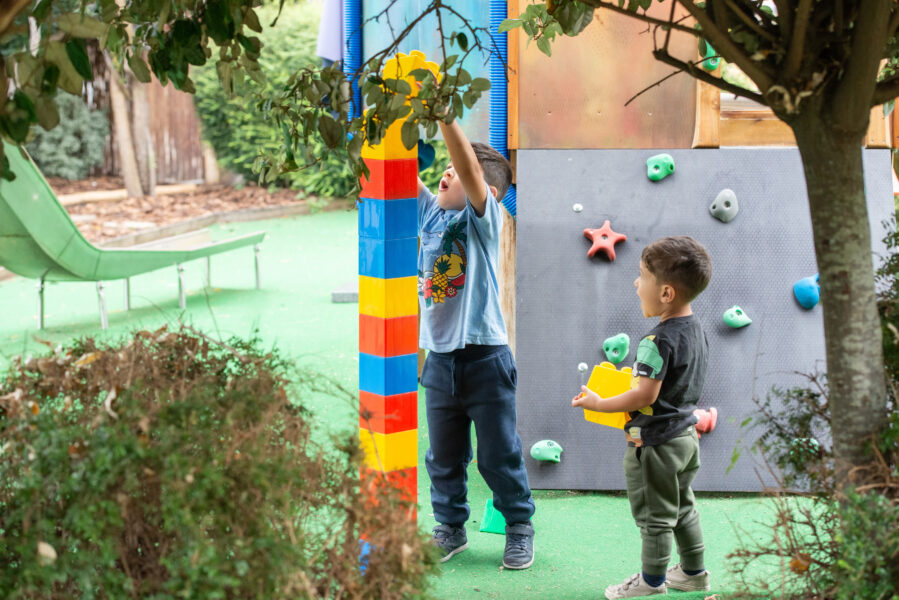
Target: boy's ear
x=668 y=293
x=492 y=189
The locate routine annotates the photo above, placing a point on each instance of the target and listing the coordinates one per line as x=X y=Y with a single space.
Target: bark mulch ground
x=103 y=220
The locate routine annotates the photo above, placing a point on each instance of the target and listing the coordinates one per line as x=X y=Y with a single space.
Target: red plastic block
x=390 y=179
x=388 y=414
x=388 y=337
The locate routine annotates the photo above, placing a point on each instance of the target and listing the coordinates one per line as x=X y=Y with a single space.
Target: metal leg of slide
x=182 y=294
x=209 y=271
x=40 y=303
x=256 y=258
x=104 y=321
x=127 y=294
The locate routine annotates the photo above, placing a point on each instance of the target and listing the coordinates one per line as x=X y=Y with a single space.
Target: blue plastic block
x=807 y=292
x=388 y=219
x=388 y=376
x=388 y=259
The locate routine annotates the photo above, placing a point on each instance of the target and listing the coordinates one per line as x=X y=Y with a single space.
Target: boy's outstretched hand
x=586 y=399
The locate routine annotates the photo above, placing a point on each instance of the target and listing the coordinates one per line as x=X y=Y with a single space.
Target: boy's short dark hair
x=497 y=170
x=679 y=261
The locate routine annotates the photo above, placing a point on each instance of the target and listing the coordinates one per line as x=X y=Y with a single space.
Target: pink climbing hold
x=604 y=239
x=707 y=420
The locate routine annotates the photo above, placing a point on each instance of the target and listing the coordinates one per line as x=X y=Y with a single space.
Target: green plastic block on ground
x=493 y=521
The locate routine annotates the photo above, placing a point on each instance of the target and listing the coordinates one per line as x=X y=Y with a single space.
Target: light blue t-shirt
x=458 y=291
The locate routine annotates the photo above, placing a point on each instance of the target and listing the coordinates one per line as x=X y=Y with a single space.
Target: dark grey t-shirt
x=676 y=351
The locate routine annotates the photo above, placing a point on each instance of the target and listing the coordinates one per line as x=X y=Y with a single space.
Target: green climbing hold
x=547 y=450
x=617 y=347
x=712 y=60
x=659 y=167
x=493 y=521
x=736 y=317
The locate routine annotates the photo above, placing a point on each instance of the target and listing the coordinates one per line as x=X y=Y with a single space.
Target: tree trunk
x=140 y=128
x=836 y=191
x=123 y=132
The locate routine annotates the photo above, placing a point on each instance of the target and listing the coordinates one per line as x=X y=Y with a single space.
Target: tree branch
x=854 y=93
x=722 y=42
x=797 y=41
x=639 y=16
x=702 y=75
x=751 y=23
x=785 y=16
x=885 y=91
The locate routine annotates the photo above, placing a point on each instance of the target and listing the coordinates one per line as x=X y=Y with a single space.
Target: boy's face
x=450 y=193
x=650 y=292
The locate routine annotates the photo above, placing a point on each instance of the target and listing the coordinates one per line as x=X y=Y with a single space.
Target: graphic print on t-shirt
x=447 y=276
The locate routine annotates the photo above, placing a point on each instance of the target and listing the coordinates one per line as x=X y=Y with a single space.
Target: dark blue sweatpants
x=475 y=384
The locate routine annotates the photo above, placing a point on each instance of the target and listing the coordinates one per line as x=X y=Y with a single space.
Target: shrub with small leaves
x=74 y=146
x=170 y=466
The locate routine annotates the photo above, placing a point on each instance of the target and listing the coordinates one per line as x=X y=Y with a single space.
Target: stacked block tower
x=388 y=299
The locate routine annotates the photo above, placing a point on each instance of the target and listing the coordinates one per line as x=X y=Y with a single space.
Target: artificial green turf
x=585 y=541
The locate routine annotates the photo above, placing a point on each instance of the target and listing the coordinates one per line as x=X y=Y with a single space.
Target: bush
x=168 y=466
x=240 y=131
x=75 y=146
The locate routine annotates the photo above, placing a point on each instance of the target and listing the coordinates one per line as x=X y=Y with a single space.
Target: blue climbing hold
x=807 y=291
x=426 y=155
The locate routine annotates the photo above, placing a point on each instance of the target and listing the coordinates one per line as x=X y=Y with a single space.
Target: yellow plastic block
x=388 y=298
x=391 y=145
x=607 y=381
x=395 y=451
x=400 y=67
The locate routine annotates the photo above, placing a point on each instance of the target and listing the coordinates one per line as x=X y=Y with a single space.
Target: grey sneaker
x=451 y=540
x=519 y=552
x=678 y=580
x=633 y=588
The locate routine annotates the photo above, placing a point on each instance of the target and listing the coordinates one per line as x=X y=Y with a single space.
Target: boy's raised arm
x=466 y=164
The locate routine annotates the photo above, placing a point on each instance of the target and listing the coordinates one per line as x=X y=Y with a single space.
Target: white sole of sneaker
x=519 y=567
x=689 y=588
x=455 y=552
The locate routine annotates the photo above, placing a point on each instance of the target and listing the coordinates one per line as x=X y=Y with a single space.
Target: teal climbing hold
x=659 y=167
x=617 y=347
x=547 y=450
x=711 y=61
x=736 y=317
x=807 y=291
x=493 y=521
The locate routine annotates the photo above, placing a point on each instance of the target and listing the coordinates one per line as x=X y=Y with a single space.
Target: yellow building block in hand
x=607 y=381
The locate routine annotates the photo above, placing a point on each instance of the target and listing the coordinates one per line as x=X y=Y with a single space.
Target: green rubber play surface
x=584 y=541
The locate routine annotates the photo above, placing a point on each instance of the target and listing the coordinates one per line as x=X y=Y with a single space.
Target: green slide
x=39 y=240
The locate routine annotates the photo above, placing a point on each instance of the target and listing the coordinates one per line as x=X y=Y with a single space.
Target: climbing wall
x=569 y=303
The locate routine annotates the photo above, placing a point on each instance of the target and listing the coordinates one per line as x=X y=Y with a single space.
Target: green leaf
x=77 y=53
x=330 y=130
x=409 y=134
x=462 y=39
x=574 y=17
x=46 y=112
x=508 y=25
x=888 y=107
x=50 y=80
x=139 y=68
x=480 y=84
x=224 y=70
x=69 y=79
x=81 y=26
x=41 y=10
x=543 y=45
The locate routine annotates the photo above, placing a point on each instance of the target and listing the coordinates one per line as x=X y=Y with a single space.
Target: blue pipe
x=499 y=104
x=352 y=60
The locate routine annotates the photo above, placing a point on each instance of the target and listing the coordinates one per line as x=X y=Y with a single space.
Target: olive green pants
x=662 y=502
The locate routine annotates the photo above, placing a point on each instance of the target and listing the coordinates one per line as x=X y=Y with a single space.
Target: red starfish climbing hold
x=603 y=239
